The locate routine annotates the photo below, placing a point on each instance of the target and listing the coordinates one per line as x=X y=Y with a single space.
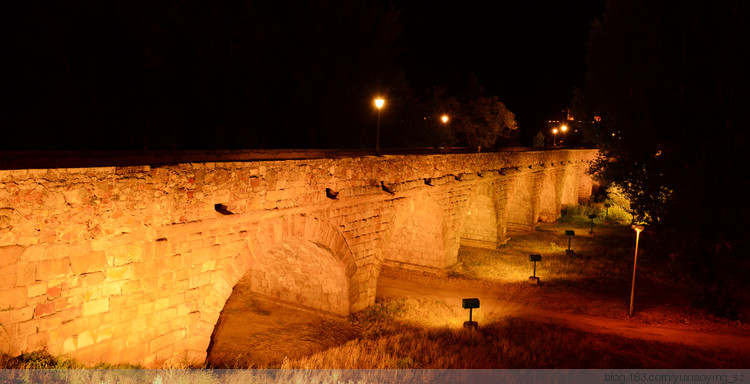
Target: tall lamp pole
x=563 y=128
x=638 y=229
x=379 y=104
x=554 y=137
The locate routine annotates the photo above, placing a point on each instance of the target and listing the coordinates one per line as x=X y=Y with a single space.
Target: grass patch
x=398 y=339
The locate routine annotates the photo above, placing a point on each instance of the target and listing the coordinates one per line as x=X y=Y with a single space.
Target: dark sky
x=529 y=54
x=190 y=74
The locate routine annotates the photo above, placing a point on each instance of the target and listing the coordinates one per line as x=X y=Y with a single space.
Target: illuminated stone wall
x=134 y=264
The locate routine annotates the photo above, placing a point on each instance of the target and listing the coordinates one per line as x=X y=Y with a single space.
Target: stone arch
x=521 y=205
x=570 y=187
x=551 y=195
x=418 y=236
x=482 y=225
x=273 y=238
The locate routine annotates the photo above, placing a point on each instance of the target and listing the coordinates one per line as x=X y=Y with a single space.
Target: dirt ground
x=254 y=331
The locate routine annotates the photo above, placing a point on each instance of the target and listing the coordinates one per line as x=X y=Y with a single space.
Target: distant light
x=379 y=103
x=444 y=118
x=554 y=131
x=564 y=128
x=613 y=134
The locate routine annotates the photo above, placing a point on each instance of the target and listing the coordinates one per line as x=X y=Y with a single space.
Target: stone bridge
x=134 y=264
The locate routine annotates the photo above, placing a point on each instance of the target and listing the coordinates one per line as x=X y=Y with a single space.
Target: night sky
x=529 y=54
x=239 y=74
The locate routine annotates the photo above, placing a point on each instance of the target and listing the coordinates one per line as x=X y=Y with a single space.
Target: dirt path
x=390 y=287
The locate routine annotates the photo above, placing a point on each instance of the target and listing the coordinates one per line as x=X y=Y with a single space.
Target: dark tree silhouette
x=670 y=83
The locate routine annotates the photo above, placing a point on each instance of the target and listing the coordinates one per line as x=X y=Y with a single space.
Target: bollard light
x=534 y=259
x=470 y=304
x=570 y=235
x=592 y=217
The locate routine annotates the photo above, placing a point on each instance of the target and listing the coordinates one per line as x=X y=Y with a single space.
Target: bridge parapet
x=133 y=264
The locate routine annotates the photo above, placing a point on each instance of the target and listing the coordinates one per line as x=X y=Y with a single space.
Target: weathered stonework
x=134 y=264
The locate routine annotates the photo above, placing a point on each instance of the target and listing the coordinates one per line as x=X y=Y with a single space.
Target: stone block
x=44 y=309
x=119 y=273
x=33 y=253
x=88 y=262
x=85 y=339
x=35 y=290
x=112 y=288
x=10 y=254
x=200 y=280
x=36 y=341
x=8 y=276
x=95 y=306
x=92 y=279
x=166 y=340
x=69 y=345
x=50 y=269
x=13 y=298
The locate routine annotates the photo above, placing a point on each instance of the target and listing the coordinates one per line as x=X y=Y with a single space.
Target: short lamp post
x=638 y=229
x=534 y=258
x=592 y=217
x=470 y=304
x=379 y=104
x=570 y=235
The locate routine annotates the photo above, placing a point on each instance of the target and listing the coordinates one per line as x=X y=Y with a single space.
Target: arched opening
x=480 y=227
x=298 y=265
x=521 y=206
x=550 y=197
x=418 y=236
x=300 y=272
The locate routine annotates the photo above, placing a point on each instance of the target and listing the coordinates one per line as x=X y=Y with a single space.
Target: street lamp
x=379 y=104
x=638 y=229
x=563 y=128
x=554 y=137
x=444 y=118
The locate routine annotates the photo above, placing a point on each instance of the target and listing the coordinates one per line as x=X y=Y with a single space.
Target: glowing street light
x=554 y=137
x=444 y=118
x=638 y=229
x=379 y=104
x=563 y=129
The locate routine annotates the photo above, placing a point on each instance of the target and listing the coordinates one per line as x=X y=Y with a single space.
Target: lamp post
x=444 y=119
x=554 y=137
x=379 y=104
x=638 y=229
x=563 y=129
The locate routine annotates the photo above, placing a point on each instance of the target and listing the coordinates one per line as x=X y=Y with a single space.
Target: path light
x=570 y=235
x=638 y=229
x=534 y=258
x=470 y=304
x=379 y=102
x=563 y=128
x=592 y=217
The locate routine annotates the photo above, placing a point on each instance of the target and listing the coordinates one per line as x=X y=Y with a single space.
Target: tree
x=670 y=83
x=483 y=120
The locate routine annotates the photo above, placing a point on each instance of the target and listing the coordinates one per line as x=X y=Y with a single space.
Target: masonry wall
x=134 y=264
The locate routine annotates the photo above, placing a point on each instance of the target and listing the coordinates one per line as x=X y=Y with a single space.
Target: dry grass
x=395 y=336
